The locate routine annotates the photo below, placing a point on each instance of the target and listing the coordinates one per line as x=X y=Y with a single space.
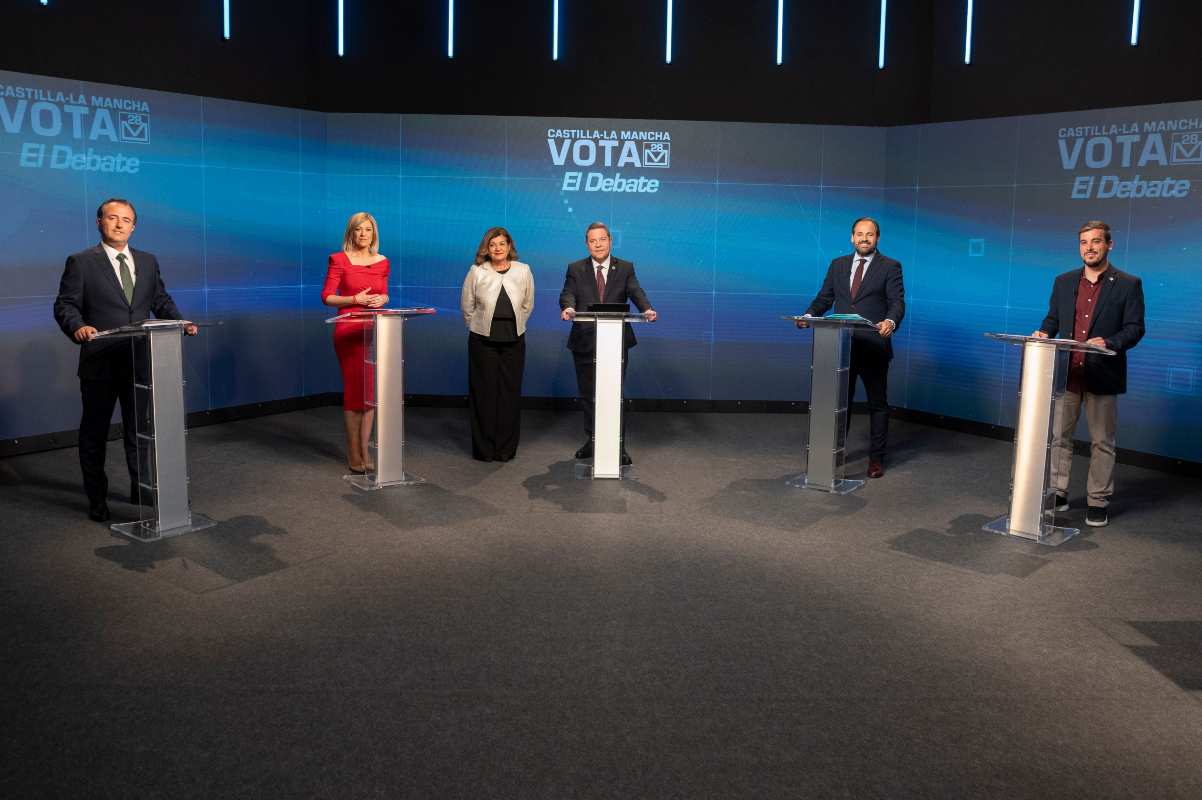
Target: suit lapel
x=1104 y=293
x=103 y=264
x=610 y=279
x=871 y=273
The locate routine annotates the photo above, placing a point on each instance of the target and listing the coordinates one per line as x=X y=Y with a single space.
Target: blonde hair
x=357 y=219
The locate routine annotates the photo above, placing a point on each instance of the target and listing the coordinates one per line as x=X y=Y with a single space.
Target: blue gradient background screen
x=243 y=203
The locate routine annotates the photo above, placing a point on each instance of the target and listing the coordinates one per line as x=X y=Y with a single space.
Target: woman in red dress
x=357 y=279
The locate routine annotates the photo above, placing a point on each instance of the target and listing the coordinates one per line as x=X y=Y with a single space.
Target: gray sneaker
x=1096 y=516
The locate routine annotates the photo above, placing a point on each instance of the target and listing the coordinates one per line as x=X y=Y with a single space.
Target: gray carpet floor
x=505 y=630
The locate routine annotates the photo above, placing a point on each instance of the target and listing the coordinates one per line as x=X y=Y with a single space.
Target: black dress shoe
x=135 y=497
x=98 y=512
x=626 y=459
x=586 y=451
x=1058 y=502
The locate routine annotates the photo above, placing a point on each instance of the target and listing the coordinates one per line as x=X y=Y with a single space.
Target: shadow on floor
x=965 y=545
x=237 y=550
x=772 y=502
x=558 y=485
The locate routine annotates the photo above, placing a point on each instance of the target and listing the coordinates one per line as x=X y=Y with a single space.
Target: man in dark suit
x=600 y=278
x=1102 y=305
x=105 y=287
x=867 y=283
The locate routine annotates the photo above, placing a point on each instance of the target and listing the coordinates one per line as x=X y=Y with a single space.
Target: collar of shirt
x=604 y=265
x=112 y=253
x=1101 y=276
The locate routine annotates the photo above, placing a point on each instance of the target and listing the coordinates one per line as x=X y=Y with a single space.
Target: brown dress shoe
x=876 y=469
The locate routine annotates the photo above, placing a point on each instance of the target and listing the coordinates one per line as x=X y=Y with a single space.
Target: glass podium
x=1044 y=373
x=384 y=391
x=826 y=451
x=164 y=509
x=607 y=408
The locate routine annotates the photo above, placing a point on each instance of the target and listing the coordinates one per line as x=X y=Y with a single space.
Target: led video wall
x=730 y=226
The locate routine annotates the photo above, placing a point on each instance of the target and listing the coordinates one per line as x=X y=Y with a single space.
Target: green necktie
x=127 y=280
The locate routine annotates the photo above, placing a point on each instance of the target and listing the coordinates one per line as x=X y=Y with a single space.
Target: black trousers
x=871 y=366
x=99 y=398
x=495 y=396
x=586 y=385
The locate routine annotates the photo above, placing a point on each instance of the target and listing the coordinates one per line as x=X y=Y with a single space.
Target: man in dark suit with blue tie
x=600 y=278
x=105 y=287
x=867 y=283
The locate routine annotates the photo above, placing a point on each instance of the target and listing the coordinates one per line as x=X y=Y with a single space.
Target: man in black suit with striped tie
x=599 y=278
x=105 y=287
x=867 y=283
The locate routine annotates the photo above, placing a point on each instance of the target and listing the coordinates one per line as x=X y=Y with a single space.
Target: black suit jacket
x=1118 y=318
x=882 y=296
x=580 y=291
x=90 y=294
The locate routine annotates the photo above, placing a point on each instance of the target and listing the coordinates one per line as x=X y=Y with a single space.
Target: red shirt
x=1087 y=301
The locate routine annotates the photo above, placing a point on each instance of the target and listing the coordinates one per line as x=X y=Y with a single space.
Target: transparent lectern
x=384 y=391
x=829 y=403
x=1044 y=373
x=607 y=408
x=158 y=367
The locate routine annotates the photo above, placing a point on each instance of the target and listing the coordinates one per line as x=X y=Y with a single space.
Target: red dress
x=347 y=279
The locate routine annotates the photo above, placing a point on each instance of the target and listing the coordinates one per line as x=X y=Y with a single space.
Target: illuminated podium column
x=826 y=451
x=164 y=509
x=1044 y=373
x=384 y=391
x=607 y=408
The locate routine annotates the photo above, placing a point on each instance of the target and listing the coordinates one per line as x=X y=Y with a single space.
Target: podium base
x=148 y=530
x=368 y=483
x=840 y=486
x=1049 y=534
x=584 y=472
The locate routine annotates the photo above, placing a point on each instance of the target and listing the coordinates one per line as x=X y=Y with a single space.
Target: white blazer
x=482 y=287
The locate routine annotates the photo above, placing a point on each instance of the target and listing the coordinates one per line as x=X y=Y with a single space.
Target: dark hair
x=598 y=225
x=1096 y=223
x=122 y=201
x=876 y=224
x=489 y=235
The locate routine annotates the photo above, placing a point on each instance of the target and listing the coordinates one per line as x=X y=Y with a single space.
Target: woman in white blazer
x=497 y=298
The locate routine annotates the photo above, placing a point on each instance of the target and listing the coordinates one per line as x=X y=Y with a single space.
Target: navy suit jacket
x=89 y=293
x=580 y=291
x=882 y=296
x=1118 y=318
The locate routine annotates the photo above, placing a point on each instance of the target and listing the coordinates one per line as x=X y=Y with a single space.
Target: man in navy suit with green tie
x=869 y=283
x=105 y=287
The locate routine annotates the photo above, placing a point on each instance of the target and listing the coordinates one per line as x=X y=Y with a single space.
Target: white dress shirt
x=129 y=259
x=604 y=265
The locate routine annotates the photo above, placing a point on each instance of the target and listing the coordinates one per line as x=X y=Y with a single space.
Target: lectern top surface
x=368 y=314
x=1064 y=344
x=831 y=319
x=593 y=316
x=147 y=325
